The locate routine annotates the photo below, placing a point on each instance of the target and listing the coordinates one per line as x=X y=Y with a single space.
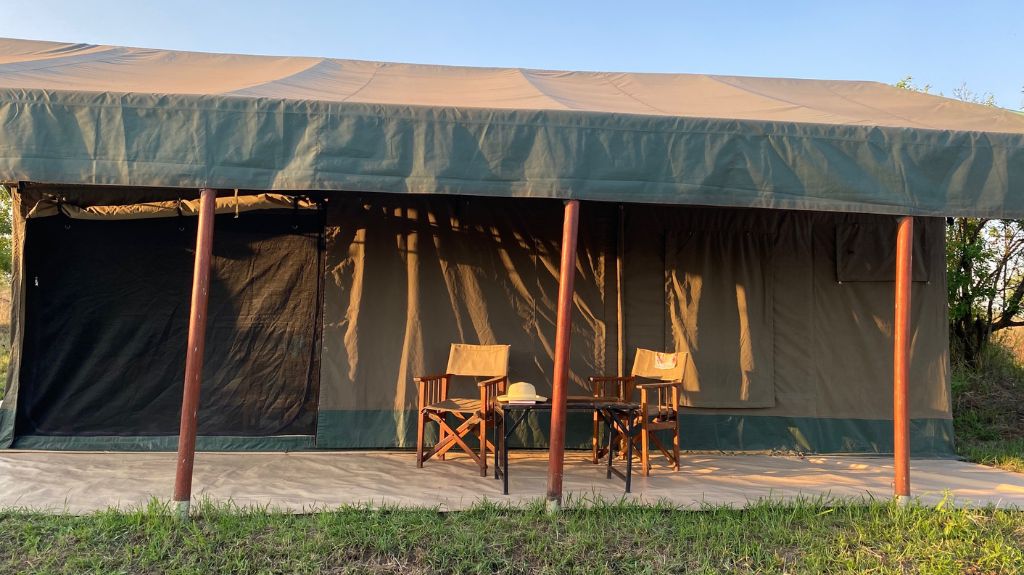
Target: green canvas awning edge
x=161 y=140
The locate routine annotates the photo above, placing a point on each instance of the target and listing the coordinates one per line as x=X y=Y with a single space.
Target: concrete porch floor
x=79 y=482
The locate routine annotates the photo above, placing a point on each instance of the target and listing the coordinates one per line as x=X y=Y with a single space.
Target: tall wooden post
x=901 y=357
x=563 y=329
x=194 y=354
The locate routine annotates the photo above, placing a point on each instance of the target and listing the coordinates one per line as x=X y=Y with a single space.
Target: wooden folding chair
x=471 y=415
x=614 y=389
x=659 y=378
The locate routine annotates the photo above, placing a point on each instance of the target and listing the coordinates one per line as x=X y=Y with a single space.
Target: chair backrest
x=658 y=365
x=478 y=360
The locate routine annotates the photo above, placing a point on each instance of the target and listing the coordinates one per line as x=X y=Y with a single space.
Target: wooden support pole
x=194 y=353
x=901 y=357
x=620 y=296
x=563 y=331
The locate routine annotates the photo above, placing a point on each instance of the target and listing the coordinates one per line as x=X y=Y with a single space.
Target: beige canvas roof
x=90 y=68
x=266 y=122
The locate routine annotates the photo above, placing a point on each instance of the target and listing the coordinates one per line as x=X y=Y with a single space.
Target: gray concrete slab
x=79 y=482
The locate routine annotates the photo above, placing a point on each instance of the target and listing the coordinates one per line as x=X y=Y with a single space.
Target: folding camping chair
x=659 y=402
x=470 y=414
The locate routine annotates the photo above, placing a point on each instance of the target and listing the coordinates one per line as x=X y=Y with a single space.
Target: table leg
x=609 y=424
x=496 y=433
x=629 y=450
x=504 y=459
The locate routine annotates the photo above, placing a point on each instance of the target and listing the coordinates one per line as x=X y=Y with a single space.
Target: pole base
x=902 y=500
x=553 y=506
x=182 y=508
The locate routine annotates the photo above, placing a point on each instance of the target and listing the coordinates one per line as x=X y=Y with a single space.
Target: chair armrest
x=493 y=381
x=489 y=390
x=622 y=390
x=431 y=389
x=666 y=397
x=658 y=385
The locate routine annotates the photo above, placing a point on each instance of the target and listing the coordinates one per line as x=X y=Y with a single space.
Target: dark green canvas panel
x=106 y=324
x=6 y=428
x=699 y=432
x=376 y=429
x=192 y=141
x=163 y=443
x=710 y=432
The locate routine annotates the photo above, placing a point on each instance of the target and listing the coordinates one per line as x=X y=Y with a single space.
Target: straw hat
x=521 y=391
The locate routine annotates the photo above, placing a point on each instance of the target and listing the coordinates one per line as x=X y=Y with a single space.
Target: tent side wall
x=409 y=275
x=787 y=315
x=816 y=374
x=791 y=337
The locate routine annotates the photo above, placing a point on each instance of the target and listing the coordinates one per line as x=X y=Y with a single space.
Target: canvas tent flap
x=831 y=342
x=103 y=115
x=721 y=311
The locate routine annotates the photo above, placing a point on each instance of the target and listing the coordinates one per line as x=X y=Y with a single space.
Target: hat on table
x=521 y=391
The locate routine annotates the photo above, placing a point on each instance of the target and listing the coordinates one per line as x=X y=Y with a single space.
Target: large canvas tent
x=372 y=213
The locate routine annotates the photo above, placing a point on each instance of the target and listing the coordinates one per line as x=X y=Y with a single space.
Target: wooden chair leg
x=594 y=439
x=645 y=446
x=455 y=438
x=483 y=447
x=675 y=446
x=441 y=435
x=421 y=421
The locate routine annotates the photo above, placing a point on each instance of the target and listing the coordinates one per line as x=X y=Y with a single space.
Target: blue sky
x=941 y=43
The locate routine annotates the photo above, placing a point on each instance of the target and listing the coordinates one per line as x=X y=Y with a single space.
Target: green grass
x=805 y=537
x=1004 y=454
x=988 y=410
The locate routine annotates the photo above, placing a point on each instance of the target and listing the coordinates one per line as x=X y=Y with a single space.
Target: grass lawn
x=809 y=537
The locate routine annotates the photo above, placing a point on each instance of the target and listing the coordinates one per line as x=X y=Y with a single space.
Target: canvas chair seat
x=655 y=411
x=456 y=405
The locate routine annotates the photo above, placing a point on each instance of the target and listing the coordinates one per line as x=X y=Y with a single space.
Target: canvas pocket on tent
x=866 y=251
x=719 y=293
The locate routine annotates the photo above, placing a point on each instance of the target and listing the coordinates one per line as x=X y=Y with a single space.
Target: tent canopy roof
x=85 y=114
x=90 y=68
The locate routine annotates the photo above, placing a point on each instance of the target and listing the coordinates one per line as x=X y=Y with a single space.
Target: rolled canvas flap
x=166 y=209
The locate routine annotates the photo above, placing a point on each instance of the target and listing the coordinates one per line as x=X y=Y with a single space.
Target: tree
x=984 y=270
x=984 y=267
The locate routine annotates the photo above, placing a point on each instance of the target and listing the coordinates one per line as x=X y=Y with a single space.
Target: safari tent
x=370 y=214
